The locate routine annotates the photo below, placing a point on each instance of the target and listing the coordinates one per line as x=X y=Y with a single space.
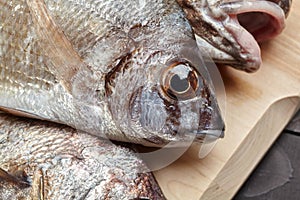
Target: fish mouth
x=229 y=31
x=254 y=21
x=269 y=18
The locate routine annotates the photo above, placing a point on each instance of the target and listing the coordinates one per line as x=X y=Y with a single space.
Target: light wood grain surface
x=258 y=106
x=277 y=176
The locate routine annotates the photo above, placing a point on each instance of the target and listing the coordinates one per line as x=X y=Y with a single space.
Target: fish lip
x=285 y=5
x=209 y=135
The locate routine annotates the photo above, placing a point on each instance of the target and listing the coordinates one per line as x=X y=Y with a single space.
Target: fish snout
x=212 y=129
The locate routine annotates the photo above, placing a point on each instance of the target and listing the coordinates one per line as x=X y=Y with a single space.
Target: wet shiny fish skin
x=47 y=161
x=226 y=29
x=106 y=67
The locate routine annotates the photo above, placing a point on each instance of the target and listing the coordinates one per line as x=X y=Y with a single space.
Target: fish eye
x=180 y=81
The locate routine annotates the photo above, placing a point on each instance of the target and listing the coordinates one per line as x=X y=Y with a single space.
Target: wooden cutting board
x=258 y=106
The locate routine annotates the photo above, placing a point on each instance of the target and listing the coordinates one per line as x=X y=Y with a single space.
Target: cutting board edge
x=221 y=189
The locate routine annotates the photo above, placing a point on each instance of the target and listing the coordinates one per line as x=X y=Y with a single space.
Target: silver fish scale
x=27 y=83
x=20 y=52
x=81 y=27
x=69 y=164
x=108 y=26
x=92 y=15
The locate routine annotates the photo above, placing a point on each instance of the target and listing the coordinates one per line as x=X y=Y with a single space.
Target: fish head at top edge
x=230 y=30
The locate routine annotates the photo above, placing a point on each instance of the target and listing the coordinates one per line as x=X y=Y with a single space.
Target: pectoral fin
x=66 y=61
x=19 y=113
x=38 y=186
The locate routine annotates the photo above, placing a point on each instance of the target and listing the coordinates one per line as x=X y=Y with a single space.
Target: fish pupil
x=178 y=84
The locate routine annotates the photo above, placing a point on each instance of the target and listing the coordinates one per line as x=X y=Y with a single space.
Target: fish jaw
x=227 y=33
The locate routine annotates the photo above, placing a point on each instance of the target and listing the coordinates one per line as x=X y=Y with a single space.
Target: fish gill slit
x=135 y=109
x=122 y=64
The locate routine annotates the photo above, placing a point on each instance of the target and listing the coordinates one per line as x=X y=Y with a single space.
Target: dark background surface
x=277 y=177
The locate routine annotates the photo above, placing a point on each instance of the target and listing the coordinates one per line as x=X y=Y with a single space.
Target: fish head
x=230 y=30
x=165 y=97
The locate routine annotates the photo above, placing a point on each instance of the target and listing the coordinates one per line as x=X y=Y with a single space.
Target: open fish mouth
x=262 y=19
x=254 y=21
x=229 y=31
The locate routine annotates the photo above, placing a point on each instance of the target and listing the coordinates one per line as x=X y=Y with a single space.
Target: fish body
x=126 y=70
x=43 y=160
x=229 y=30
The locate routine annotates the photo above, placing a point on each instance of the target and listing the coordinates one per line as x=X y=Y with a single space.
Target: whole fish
x=43 y=160
x=127 y=70
x=230 y=29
